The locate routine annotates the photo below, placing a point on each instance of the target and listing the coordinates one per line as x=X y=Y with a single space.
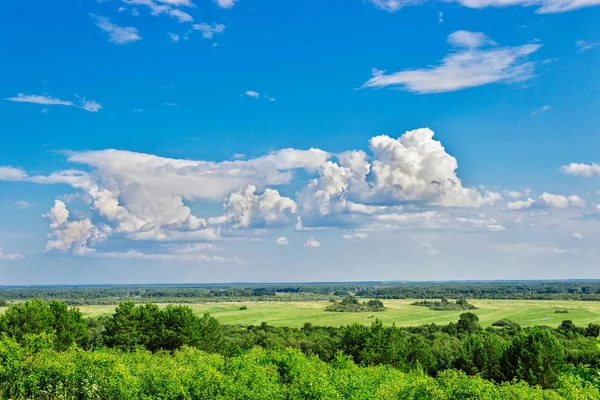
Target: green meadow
x=399 y=312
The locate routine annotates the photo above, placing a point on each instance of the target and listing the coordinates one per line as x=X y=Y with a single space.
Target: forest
x=49 y=351
x=110 y=294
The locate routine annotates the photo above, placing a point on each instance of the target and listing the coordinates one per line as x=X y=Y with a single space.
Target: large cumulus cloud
x=396 y=183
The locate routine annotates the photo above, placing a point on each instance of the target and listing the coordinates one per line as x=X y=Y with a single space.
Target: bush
x=242 y=308
x=351 y=304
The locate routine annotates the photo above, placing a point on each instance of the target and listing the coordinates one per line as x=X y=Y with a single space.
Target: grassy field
x=400 y=312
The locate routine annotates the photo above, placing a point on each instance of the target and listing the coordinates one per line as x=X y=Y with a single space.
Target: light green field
x=400 y=312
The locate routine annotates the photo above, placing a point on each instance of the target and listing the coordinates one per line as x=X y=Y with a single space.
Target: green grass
x=400 y=312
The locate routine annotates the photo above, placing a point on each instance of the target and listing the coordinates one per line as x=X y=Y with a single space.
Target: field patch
x=399 y=312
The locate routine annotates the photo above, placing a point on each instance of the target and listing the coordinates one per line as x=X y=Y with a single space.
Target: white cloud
x=547 y=200
x=541 y=110
x=577 y=236
x=514 y=194
x=440 y=17
x=354 y=235
x=269 y=98
x=143 y=196
x=181 y=16
x=177 y=3
x=90 y=105
x=469 y=39
x=245 y=209
x=582 y=45
x=12 y=174
x=10 y=257
x=252 y=93
x=71 y=235
x=544 y=6
x=117 y=34
x=174 y=37
x=578 y=169
x=312 y=243
x=282 y=240
x=576 y=201
x=392 y=5
x=520 y=204
x=225 y=3
x=415 y=167
x=475 y=61
x=166 y=7
x=37 y=99
x=209 y=31
x=406 y=184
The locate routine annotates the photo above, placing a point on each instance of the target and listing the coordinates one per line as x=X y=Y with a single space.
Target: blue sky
x=209 y=141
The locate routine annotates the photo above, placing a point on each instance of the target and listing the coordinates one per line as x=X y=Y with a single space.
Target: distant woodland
x=527 y=290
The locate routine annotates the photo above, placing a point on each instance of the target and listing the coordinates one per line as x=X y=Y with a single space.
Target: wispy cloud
x=282 y=240
x=177 y=3
x=541 y=110
x=22 y=204
x=117 y=34
x=544 y=6
x=252 y=93
x=10 y=257
x=226 y=3
x=171 y=104
x=312 y=243
x=134 y=254
x=165 y=7
x=392 y=5
x=475 y=61
x=256 y=95
x=46 y=100
x=582 y=45
x=209 y=31
x=174 y=37
x=90 y=105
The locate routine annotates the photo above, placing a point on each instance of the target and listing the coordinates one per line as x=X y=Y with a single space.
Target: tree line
x=532 y=290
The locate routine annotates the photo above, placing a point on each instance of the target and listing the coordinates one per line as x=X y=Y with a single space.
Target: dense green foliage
x=532 y=290
x=36 y=317
x=351 y=304
x=445 y=305
x=540 y=356
x=288 y=374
